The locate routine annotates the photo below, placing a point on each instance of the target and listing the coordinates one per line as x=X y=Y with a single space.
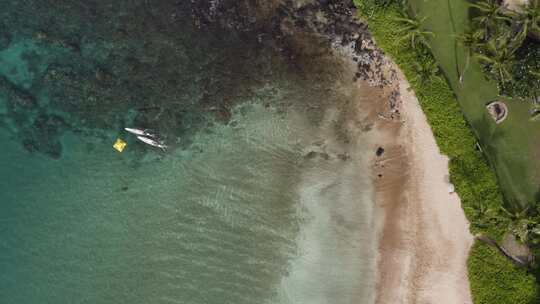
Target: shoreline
x=423 y=237
x=424 y=240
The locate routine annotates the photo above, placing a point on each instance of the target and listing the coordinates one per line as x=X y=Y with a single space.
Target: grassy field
x=513 y=147
x=493 y=279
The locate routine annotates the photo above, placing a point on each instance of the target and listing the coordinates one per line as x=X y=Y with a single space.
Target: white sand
x=446 y=230
x=426 y=239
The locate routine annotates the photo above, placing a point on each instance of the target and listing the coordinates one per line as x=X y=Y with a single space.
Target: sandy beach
x=425 y=238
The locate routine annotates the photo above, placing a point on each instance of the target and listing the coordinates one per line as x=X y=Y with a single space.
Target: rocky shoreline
x=281 y=24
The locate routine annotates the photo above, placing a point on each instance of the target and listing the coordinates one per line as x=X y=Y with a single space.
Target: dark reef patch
x=178 y=65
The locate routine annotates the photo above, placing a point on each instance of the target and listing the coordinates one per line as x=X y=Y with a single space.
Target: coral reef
x=178 y=66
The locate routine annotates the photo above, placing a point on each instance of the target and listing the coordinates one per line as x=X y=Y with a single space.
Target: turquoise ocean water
x=263 y=196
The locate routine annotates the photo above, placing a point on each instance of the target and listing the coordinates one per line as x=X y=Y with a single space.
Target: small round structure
x=498 y=111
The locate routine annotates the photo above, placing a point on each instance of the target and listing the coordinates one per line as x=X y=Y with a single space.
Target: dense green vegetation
x=493 y=278
x=507 y=42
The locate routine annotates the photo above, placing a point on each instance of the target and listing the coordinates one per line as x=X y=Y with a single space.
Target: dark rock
x=23 y=99
x=56 y=121
x=29 y=145
x=311 y=155
x=71 y=45
x=48 y=125
x=103 y=75
x=368 y=127
x=344 y=156
x=379 y=151
x=41 y=35
x=5 y=40
x=54 y=150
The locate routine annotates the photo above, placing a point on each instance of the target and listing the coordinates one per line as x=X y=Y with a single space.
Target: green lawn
x=512 y=146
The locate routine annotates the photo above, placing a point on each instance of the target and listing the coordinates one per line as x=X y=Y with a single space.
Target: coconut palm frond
x=426 y=72
x=500 y=69
x=535 y=113
x=471 y=39
x=484 y=59
x=535 y=73
x=516 y=213
x=412 y=31
x=413 y=22
x=528 y=19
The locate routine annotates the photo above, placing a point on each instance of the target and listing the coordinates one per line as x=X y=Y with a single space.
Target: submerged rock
x=44 y=134
x=23 y=99
x=49 y=147
x=54 y=149
x=5 y=39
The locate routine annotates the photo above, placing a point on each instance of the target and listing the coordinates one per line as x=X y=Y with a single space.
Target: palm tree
x=521 y=222
x=535 y=107
x=526 y=224
x=387 y=3
x=471 y=39
x=411 y=30
x=490 y=13
x=426 y=71
x=498 y=55
x=497 y=66
x=535 y=112
x=525 y=22
x=529 y=20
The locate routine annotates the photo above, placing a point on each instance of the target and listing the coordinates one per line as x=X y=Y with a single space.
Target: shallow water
x=264 y=195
